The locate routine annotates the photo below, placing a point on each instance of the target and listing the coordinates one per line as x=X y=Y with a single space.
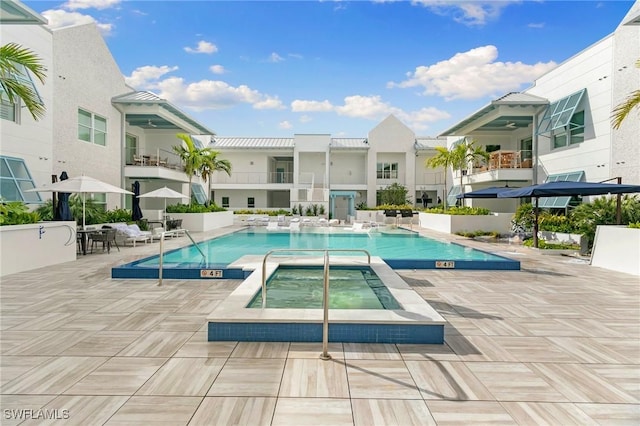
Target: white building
x=97 y=125
x=560 y=128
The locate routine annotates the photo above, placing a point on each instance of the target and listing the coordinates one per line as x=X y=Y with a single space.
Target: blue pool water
x=400 y=249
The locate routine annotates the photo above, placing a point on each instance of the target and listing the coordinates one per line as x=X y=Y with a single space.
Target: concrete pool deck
x=556 y=342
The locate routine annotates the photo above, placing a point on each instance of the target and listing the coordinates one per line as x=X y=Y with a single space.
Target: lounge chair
x=133 y=234
x=294 y=227
x=358 y=227
x=272 y=226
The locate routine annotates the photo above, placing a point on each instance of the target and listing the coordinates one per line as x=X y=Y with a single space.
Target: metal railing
x=325 y=287
x=160 y=259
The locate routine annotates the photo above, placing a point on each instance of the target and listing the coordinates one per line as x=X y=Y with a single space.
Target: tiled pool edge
x=416 y=323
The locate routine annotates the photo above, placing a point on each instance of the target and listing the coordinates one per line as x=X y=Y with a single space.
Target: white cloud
x=467 y=12
x=203 y=47
x=59 y=18
x=147 y=77
x=285 y=125
x=318 y=106
x=473 y=74
x=217 y=69
x=90 y=4
x=305 y=119
x=295 y=56
x=274 y=57
x=536 y=25
x=370 y=107
x=211 y=94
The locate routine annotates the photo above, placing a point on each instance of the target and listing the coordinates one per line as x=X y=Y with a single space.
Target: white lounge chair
x=272 y=226
x=294 y=227
x=358 y=227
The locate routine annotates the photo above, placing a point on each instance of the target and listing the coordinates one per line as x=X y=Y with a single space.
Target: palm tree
x=210 y=165
x=444 y=158
x=192 y=157
x=14 y=59
x=465 y=153
x=622 y=110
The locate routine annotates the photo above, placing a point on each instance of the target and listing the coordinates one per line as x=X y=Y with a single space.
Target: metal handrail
x=325 y=289
x=160 y=260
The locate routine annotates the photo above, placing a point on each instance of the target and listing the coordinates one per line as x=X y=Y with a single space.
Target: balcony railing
x=154 y=158
x=254 y=178
x=505 y=160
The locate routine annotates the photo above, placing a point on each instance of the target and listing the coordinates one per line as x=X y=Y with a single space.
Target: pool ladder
x=325 y=287
x=162 y=235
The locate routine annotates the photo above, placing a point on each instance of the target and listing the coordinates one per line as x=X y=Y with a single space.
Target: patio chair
x=272 y=226
x=106 y=236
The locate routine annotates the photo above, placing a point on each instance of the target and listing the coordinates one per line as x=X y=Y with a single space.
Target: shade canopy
x=559 y=189
x=491 y=192
x=81 y=185
x=163 y=193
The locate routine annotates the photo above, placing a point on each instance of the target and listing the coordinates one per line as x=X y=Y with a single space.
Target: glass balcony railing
x=153 y=158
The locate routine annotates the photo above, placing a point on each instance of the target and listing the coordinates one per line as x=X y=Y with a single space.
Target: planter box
x=32 y=246
x=617 y=248
x=202 y=222
x=451 y=224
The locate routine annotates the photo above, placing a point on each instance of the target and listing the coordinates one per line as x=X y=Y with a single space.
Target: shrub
x=555 y=223
x=635 y=225
x=602 y=211
x=464 y=210
x=552 y=246
x=16 y=213
x=395 y=194
x=194 y=208
x=118 y=215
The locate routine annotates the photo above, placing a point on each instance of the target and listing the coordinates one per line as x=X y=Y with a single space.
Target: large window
x=387 y=170
x=197 y=192
x=92 y=128
x=15 y=179
x=572 y=133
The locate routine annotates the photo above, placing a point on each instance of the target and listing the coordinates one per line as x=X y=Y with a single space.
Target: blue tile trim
x=338 y=332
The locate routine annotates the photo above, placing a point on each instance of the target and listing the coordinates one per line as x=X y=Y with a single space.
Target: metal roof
x=259 y=143
x=423 y=143
x=14 y=12
x=349 y=143
x=149 y=121
x=508 y=122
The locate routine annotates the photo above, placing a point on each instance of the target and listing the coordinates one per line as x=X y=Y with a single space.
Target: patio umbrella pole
x=84 y=199
x=535 y=224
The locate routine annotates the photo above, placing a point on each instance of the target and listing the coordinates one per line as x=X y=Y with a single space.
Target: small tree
x=193 y=158
x=465 y=153
x=395 y=194
x=210 y=165
x=444 y=158
x=14 y=59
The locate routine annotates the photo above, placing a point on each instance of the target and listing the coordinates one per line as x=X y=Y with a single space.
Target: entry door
x=280 y=175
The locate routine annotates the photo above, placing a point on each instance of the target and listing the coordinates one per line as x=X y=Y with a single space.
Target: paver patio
x=555 y=343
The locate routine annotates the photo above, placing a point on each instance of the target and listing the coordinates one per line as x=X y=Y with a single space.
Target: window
x=560 y=113
x=15 y=179
x=131 y=148
x=92 y=128
x=99 y=200
x=560 y=202
x=198 y=193
x=451 y=196
x=387 y=170
x=225 y=202
x=8 y=110
x=251 y=202
x=492 y=148
x=572 y=133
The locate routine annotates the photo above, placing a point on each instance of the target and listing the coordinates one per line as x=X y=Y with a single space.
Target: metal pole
x=160 y=260
x=619 y=204
x=264 y=281
x=325 y=307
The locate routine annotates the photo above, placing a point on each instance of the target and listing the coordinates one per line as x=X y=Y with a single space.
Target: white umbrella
x=81 y=185
x=163 y=193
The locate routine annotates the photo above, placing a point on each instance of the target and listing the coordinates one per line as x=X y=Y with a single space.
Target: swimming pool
x=400 y=249
x=302 y=287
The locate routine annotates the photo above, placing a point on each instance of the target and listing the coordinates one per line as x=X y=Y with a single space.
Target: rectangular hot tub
x=368 y=304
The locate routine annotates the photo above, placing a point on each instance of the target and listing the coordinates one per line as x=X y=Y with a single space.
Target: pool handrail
x=325 y=288
x=173 y=232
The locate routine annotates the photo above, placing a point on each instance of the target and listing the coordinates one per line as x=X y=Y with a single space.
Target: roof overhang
x=506 y=114
x=148 y=111
x=14 y=12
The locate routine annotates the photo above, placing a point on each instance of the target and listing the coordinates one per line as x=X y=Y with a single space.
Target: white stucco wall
x=617 y=248
x=87 y=77
x=28 y=139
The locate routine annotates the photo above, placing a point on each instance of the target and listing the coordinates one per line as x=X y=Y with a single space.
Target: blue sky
x=273 y=69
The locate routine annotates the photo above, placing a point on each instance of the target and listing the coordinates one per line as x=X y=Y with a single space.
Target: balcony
x=252 y=178
x=502 y=166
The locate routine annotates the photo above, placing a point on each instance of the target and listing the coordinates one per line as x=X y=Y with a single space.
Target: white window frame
x=571 y=134
x=386 y=170
x=92 y=129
